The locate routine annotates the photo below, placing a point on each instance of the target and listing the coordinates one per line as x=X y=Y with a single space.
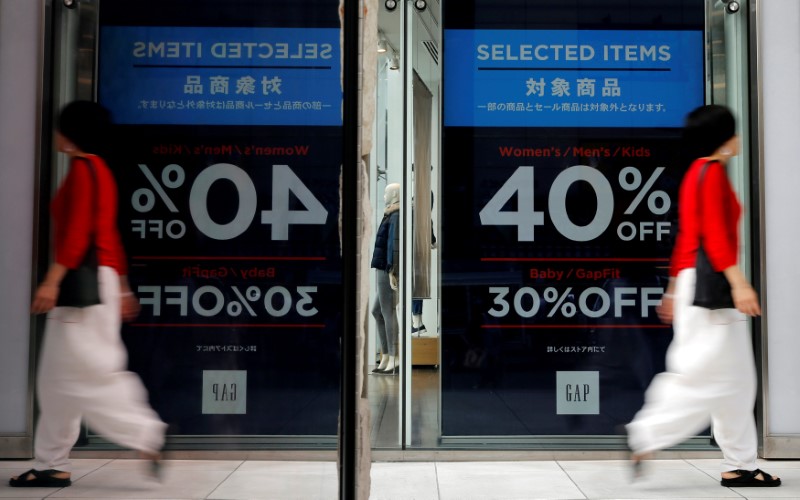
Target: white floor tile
x=504 y=480
x=659 y=481
x=280 y=481
x=284 y=467
x=620 y=465
x=16 y=464
x=403 y=481
x=195 y=465
x=778 y=464
x=7 y=492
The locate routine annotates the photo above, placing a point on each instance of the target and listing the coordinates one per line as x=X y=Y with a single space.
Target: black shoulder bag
x=711 y=289
x=80 y=288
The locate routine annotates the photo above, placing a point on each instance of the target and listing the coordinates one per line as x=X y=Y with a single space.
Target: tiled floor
x=250 y=479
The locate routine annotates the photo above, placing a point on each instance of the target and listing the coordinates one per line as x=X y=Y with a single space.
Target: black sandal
x=40 y=479
x=747 y=478
x=156 y=468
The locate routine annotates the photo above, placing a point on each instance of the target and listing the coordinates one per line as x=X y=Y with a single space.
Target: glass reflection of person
x=82 y=366
x=386 y=262
x=710 y=368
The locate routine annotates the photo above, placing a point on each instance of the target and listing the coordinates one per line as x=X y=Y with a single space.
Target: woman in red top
x=82 y=367
x=711 y=373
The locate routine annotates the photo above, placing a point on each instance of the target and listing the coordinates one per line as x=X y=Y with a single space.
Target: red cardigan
x=75 y=214
x=719 y=216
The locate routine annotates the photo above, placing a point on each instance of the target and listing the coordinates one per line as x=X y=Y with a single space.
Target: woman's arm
x=717 y=219
x=78 y=214
x=69 y=252
x=47 y=293
x=129 y=304
x=665 y=308
x=720 y=238
x=745 y=297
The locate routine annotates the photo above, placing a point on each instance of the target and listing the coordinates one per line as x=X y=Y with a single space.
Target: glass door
x=423 y=288
x=405 y=404
x=727 y=56
x=386 y=344
x=554 y=165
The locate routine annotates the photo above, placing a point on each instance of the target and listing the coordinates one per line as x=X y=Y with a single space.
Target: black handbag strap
x=95 y=201
x=700 y=199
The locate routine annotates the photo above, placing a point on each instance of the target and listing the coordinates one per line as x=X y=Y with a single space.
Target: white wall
x=20 y=33
x=779 y=28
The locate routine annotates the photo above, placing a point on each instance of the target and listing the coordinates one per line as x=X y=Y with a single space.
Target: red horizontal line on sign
x=567 y=68
x=227 y=325
x=574 y=259
x=236 y=257
x=230 y=66
x=576 y=326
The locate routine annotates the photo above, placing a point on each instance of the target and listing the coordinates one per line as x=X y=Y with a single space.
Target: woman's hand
x=45 y=298
x=129 y=306
x=47 y=294
x=746 y=300
x=744 y=297
x=664 y=309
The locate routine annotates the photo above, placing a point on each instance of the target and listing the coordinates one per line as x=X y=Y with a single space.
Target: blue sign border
x=571 y=78
x=221 y=76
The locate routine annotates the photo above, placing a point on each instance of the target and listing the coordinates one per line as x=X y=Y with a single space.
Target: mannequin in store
x=386 y=262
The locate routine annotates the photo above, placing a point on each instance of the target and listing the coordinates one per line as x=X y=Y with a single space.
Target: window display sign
x=221 y=76
x=229 y=209
x=559 y=194
x=577 y=78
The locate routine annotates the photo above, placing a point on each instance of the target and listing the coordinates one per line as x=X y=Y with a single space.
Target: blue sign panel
x=221 y=76
x=571 y=78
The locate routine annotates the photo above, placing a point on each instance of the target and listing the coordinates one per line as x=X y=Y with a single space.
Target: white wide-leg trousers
x=710 y=377
x=82 y=374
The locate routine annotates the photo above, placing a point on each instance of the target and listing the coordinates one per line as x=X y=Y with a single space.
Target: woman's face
x=64 y=145
x=731 y=146
x=735 y=145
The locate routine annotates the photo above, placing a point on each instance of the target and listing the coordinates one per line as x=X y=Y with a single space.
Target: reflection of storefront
x=232 y=175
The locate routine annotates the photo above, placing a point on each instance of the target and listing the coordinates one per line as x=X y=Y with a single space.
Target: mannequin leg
x=382 y=365
x=393 y=366
x=384 y=312
x=387 y=310
x=383 y=342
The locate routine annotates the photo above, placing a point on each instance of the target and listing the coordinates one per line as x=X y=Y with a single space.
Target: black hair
x=706 y=129
x=87 y=124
